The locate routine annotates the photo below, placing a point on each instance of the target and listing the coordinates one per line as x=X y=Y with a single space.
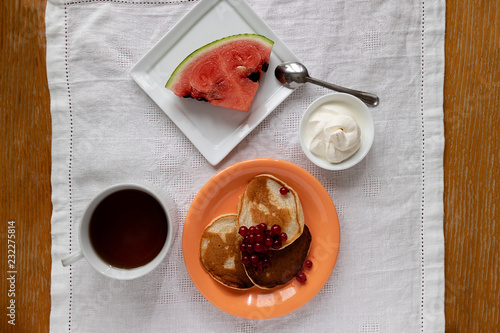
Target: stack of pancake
x=265 y=199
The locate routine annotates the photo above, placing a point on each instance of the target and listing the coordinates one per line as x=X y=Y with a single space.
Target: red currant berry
x=251 y=230
x=251 y=238
x=283 y=237
x=263 y=226
x=308 y=263
x=254 y=258
x=283 y=191
x=249 y=248
x=277 y=244
x=243 y=247
x=259 y=237
x=275 y=229
x=243 y=231
x=266 y=263
x=268 y=241
x=258 y=247
x=301 y=277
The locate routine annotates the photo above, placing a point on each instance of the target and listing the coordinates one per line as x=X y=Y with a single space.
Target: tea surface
x=128 y=229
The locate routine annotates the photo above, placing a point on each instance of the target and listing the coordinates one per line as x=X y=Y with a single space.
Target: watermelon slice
x=225 y=72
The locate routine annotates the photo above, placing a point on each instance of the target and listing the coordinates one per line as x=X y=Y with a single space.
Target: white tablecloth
x=389 y=275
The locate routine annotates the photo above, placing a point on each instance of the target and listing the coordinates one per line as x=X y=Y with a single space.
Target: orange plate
x=220 y=195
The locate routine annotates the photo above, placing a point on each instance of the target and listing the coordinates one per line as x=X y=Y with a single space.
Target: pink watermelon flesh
x=225 y=72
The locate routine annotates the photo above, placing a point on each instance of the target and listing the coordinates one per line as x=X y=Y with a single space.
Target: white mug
x=88 y=251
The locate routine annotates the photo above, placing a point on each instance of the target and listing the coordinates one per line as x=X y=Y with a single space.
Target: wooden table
x=471 y=164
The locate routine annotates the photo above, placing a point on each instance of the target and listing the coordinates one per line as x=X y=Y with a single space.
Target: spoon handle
x=368 y=98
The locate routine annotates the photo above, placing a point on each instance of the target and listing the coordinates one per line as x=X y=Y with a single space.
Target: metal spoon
x=294 y=74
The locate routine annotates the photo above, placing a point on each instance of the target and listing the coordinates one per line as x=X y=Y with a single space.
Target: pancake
x=284 y=263
x=220 y=252
x=263 y=202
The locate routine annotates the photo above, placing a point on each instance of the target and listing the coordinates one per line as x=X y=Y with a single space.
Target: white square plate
x=213 y=130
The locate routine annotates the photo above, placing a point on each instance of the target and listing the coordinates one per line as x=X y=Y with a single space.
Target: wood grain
x=471 y=164
x=25 y=163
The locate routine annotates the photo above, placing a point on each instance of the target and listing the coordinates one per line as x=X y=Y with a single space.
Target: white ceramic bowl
x=361 y=114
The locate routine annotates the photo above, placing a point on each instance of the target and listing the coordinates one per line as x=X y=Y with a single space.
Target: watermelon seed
x=255 y=76
x=201 y=99
x=265 y=66
x=187 y=96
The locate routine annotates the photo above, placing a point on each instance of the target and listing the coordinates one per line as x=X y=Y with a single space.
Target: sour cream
x=332 y=133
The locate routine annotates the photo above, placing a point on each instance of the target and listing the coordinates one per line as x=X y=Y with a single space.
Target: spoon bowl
x=295 y=74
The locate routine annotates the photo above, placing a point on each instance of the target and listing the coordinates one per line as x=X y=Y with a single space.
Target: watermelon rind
x=175 y=75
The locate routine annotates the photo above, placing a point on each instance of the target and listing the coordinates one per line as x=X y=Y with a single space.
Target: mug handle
x=68 y=260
